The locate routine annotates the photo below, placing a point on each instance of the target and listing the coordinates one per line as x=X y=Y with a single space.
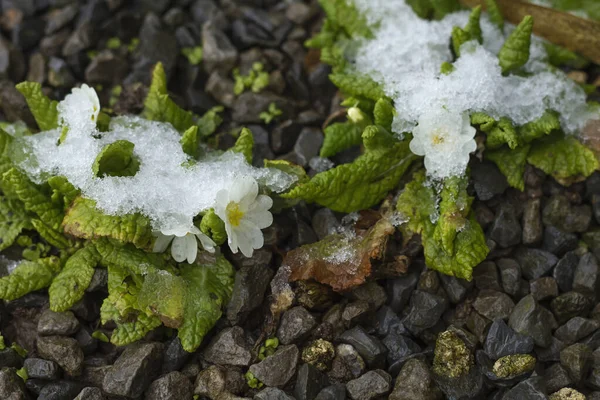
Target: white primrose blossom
x=79 y=110
x=184 y=245
x=245 y=213
x=445 y=139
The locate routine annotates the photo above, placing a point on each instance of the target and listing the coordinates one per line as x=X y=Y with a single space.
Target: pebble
x=415 y=382
x=60 y=390
x=570 y=304
x=560 y=213
x=399 y=347
x=502 y=341
x=10 y=358
x=272 y=393
x=510 y=273
x=55 y=323
x=249 y=288
x=533 y=229
x=296 y=323
x=369 y=347
x=173 y=386
x=493 y=304
x=174 y=357
x=347 y=364
x=567 y=394
x=309 y=382
x=90 y=393
x=577 y=360
x=38 y=368
x=247 y=107
x=455 y=288
x=543 y=288
x=308 y=145
x=65 y=351
x=228 y=347
x=531 y=319
x=559 y=242
x=535 y=263
x=217 y=51
x=106 y=68
x=587 y=276
x=425 y=311
x=506 y=230
x=564 y=271
x=556 y=377
x=277 y=369
x=370 y=385
x=333 y=392
x=576 y=329
x=210 y=382
x=530 y=389
x=11 y=385
x=400 y=290
x=488 y=180
x=486 y=276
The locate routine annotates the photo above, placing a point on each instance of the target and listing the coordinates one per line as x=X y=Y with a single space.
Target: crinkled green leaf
x=423 y=8
x=340 y=136
x=43 y=109
x=214 y=227
x=13 y=219
x=417 y=203
x=494 y=14
x=454 y=208
x=132 y=259
x=63 y=191
x=193 y=54
x=383 y=113
x=560 y=56
x=52 y=236
x=83 y=220
x=208 y=290
x=511 y=163
x=562 y=157
x=346 y=16
x=244 y=144
x=163 y=294
x=441 y=8
x=131 y=331
x=473 y=28
x=210 y=121
x=289 y=168
x=189 y=141
x=541 y=127
x=357 y=85
x=362 y=183
x=459 y=37
x=29 y=276
x=15 y=184
x=116 y=159
x=503 y=132
x=159 y=107
x=515 y=51
x=70 y=284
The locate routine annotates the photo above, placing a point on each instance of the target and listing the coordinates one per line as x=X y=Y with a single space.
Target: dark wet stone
x=560 y=213
x=506 y=229
x=220 y=87
x=507 y=371
x=535 y=263
x=277 y=369
x=248 y=106
x=544 y=288
x=229 y=347
x=82 y=38
x=308 y=145
x=552 y=352
x=314 y=296
x=37 y=68
x=51 y=46
x=28 y=33
x=284 y=135
x=65 y=351
x=203 y=11
x=106 y=68
x=569 y=305
x=217 y=50
x=556 y=377
x=59 y=73
x=502 y=341
x=531 y=389
x=59 y=18
x=248 y=291
x=594 y=380
x=558 y=242
x=415 y=382
x=325 y=223
x=210 y=382
x=272 y=393
x=577 y=360
x=400 y=289
x=134 y=370
x=488 y=180
x=55 y=323
x=90 y=393
x=533 y=230
x=11 y=385
x=256 y=27
x=575 y=329
x=355 y=312
x=510 y=274
x=369 y=347
x=174 y=357
x=13 y=104
x=309 y=382
x=10 y=358
x=61 y=390
x=593 y=341
x=12 y=62
x=399 y=346
x=429 y=282
x=455 y=288
x=39 y=368
x=35 y=386
x=347 y=364
x=492 y=304
x=531 y=319
x=333 y=392
x=371 y=293
x=370 y=386
x=425 y=311
x=468 y=386
x=295 y=324
x=587 y=276
x=486 y=276
x=173 y=386
x=564 y=271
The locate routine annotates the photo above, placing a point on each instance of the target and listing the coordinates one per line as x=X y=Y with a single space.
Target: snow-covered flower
x=184 y=245
x=245 y=213
x=445 y=139
x=80 y=108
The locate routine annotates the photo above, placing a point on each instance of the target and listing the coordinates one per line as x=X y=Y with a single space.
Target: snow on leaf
x=189 y=141
x=539 y=128
x=43 y=109
x=28 y=277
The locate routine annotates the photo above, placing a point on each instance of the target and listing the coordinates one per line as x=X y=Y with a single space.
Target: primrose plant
x=91 y=191
x=429 y=83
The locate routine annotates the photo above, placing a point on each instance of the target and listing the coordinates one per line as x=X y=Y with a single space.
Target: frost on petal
x=79 y=110
x=191 y=248
x=207 y=243
x=416 y=146
x=179 y=248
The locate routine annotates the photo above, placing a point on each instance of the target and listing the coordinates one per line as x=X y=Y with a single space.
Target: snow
x=407 y=52
x=166 y=188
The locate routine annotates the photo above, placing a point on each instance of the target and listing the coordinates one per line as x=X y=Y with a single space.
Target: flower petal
x=161 y=243
x=262 y=219
x=416 y=146
x=191 y=248
x=207 y=243
x=179 y=248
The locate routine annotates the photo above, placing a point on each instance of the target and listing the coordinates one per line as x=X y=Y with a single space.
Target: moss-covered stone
x=513 y=365
x=452 y=357
x=567 y=394
x=319 y=354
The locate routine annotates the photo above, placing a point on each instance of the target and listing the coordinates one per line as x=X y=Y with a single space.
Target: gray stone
x=371 y=293
x=12 y=62
x=37 y=68
x=492 y=304
x=455 y=288
x=531 y=319
x=173 y=386
x=59 y=73
x=217 y=51
x=569 y=305
x=309 y=382
x=564 y=271
x=425 y=311
x=400 y=290
x=10 y=358
x=502 y=341
x=556 y=377
x=399 y=347
x=220 y=87
x=82 y=38
x=347 y=364
x=284 y=136
x=55 y=323
x=558 y=242
x=210 y=382
x=106 y=68
x=174 y=356
x=531 y=389
x=369 y=347
x=229 y=347
x=325 y=223
x=248 y=106
x=533 y=230
x=587 y=276
x=59 y=18
x=510 y=273
x=277 y=369
x=61 y=390
x=560 y=213
x=308 y=145
x=370 y=385
x=133 y=371
x=544 y=288
x=90 y=393
x=535 y=263
x=296 y=323
x=65 y=351
x=415 y=382
x=577 y=360
x=488 y=180
x=11 y=385
x=249 y=288
x=552 y=352
x=87 y=343
x=575 y=329
x=506 y=229
x=333 y=392
x=272 y=393
x=486 y=276
x=38 y=368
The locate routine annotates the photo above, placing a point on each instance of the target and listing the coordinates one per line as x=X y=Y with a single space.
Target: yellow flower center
x=95 y=108
x=234 y=214
x=439 y=137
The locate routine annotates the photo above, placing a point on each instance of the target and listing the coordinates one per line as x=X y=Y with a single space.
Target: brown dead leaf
x=340 y=261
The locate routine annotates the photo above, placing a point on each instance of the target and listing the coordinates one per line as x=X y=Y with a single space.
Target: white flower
x=79 y=110
x=245 y=213
x=445 y=139
x=184 y=245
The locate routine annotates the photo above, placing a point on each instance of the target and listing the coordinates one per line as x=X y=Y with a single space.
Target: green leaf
x=159 y=107
x=210 y=121
x=13 y=219
x=212 y=226
x=208 y=289
x=494 y=13
x=28 y=277
x=83 y=220
x=454 y=207
x=362 y=183
x=446 y=68
x=244 y=144
x=563 y=157
x=43 y=109
x=539 y=128
x=357 y=85
x=131 y=331
x=289 y=168
x=16 y=185
x=459 y=37
x=384 y=113
x=515 y=51
x=511 y=163
x=189 y=141
x=126 y=256
x=116 y=159
x=63 y=190
x=560 y=56
x=441 y=8
x=193 y=54
x=473 y=28
x=163 y=294
x=417 y=203
x=340 y=136
x=347 y=17
x=70 y=284
x=423 y=8
x=52 y=236
x=503 y=132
